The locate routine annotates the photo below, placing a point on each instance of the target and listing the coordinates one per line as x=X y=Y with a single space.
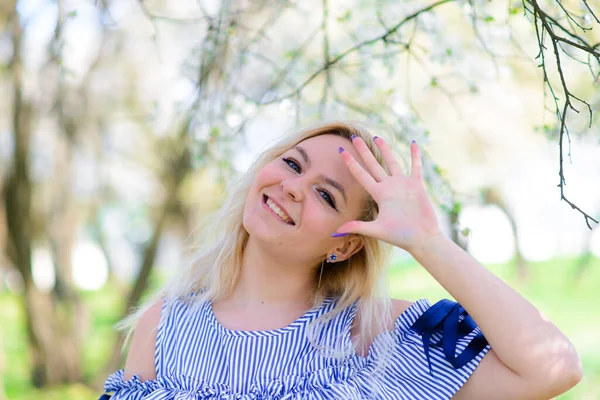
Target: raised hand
x=406 y=217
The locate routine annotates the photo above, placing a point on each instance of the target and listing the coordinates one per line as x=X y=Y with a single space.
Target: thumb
x=357 y=227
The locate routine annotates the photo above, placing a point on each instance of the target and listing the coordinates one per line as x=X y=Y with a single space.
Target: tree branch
x=384 y=37
x=326 y=60
x=544 y=25
x=591 y=12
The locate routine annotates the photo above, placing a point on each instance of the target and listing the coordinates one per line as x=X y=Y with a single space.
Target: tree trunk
x=177 y=167
x=141 y=282
x=62 y=220
x=2 y=274
x=54 y=359
x=456 y=236
x=455 y=231
x=2 y=368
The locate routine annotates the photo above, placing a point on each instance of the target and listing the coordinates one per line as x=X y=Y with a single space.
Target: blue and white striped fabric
x=196 y=358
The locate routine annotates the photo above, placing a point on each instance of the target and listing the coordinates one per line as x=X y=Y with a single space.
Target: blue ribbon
x=104 y=397
x=444 y=316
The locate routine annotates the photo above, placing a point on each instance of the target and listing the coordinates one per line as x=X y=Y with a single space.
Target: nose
x=293 y=189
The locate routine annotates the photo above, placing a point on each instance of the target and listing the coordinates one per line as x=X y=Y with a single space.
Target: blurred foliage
x=571 y=307
x=126 y=120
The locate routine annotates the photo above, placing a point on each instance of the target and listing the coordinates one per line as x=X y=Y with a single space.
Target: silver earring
x=320 y=274
x=331 y=258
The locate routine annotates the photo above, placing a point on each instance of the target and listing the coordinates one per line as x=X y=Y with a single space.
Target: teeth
x=278 y=211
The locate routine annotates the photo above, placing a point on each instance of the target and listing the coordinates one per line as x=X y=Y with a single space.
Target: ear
x=352 y=245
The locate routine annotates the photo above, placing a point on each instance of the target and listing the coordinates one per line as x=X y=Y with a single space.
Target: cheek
x=268 y=175
x=317 y=218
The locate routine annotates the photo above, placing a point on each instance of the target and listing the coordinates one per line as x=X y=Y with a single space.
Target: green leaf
x=72 y=14
x=456 y=208
x=489 y=19
x=290 y=54
x=345 y=17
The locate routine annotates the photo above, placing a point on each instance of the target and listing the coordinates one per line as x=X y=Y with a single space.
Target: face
x=299 y=199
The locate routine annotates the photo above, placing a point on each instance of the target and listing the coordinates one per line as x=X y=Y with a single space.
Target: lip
x=278 y=204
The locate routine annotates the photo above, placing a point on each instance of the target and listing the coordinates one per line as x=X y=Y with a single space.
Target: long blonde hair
x=214 y=270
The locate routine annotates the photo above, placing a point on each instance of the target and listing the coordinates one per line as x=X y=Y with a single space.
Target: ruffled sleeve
x=438 y=350
x=116 y=388
x=162 y=388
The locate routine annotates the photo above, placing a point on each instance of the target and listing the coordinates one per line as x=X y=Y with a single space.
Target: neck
x=271 y=280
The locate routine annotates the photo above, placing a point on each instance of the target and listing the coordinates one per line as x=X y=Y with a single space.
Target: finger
x=391 y=161
x=416 y=170
x=363 y=177
x=369 y=159
x=358 y=228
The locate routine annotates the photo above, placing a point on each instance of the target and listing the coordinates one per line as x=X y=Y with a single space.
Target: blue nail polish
x=353 y=137
x=339 y=234
x=414 y=141
x=340 y=149
x=375 y=137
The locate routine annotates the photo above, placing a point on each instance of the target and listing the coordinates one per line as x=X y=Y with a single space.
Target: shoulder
x=392 y=308
x=140 y=357
x=398 y=307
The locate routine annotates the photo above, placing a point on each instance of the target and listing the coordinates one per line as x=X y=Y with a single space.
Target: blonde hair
x=215 y=269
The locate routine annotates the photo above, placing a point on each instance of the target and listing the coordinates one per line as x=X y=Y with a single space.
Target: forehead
x=326 y=141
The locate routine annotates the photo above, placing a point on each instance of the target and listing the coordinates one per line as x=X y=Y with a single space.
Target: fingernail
x=375 y=137
x=339 y=234
x=340 y=149
x=414 y=141
x=353 y=137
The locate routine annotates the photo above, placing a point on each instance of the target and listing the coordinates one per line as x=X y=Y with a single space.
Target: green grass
x=573 y=307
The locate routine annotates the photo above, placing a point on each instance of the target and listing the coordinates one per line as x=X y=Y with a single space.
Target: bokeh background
x=122 y=121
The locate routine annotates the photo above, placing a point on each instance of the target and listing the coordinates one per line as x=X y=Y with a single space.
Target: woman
x=282 y=301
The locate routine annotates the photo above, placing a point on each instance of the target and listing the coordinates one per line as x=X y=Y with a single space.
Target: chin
x=257 y=226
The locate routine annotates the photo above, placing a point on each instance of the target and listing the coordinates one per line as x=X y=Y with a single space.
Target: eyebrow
x=322 y=177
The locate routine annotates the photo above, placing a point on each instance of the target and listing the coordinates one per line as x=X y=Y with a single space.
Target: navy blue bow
x=444 y=316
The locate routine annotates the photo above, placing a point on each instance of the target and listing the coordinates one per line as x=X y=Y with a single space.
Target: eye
x=291 y=162
x=328 y=198
x=324 y=194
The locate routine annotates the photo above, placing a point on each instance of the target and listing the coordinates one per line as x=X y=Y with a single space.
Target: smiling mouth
x=289 y=221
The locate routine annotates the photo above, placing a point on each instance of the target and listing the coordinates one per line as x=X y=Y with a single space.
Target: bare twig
x=590 y=10
x=545 y=25
x=384 y=37
x=474 y=22
x=326 y=60
x=153 y=17
x=570 y=18
x=287 y=69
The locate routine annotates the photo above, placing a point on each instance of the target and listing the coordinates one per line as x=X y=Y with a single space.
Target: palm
x=406 y=217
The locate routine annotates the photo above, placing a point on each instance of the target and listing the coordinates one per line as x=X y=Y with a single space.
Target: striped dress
x=196 y=358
